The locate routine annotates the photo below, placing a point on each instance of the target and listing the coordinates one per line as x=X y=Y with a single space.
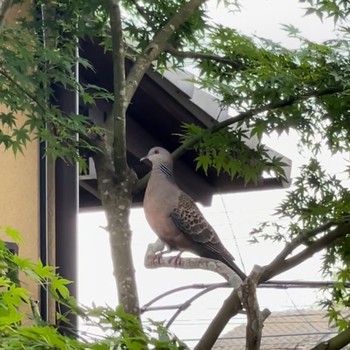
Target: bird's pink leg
x=176 y=259
x=157 y=257
x=160 y=254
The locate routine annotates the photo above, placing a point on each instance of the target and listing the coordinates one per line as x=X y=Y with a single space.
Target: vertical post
x=51 y=229
x=67 y=206
x=43 y=225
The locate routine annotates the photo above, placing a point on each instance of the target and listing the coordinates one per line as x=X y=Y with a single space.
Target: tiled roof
x=284 y=330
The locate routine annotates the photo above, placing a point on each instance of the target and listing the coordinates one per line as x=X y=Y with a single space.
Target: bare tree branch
x=338 y=342
x=187 y=54
x=157 y=45
x=304 y=237
x=255 y=318
x=231 y=306
x=205 y=57
x=114 y=177
x=188 y=303
x=270 y=106
x=275 y=284
x=280 y=265
x=207 y=286
x=154 y=259
x=231 y=303
x=119 y=104
x=144 y=14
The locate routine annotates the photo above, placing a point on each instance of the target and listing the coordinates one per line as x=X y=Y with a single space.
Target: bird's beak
x=146 y=160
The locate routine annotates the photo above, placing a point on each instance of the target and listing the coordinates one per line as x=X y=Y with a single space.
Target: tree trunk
x=116 y=199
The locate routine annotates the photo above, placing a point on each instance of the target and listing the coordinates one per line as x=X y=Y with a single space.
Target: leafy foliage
x=235 y=152
x=155 y=15
x=146 y=18
x=317 y=197
x=270 y=88
x=338 y=9
x=21 y=325
x=33 y=66
x=266 y=86
x=302 y=89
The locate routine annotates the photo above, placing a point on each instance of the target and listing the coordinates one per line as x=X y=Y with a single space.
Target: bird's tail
x=231 y=264
x=219 y=252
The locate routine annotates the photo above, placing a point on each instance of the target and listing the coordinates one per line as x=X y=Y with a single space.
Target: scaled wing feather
x=189 y=220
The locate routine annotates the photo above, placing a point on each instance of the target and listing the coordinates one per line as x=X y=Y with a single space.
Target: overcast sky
x=233 y=216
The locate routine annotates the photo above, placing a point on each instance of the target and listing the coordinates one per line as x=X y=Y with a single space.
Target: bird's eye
x=156 y=151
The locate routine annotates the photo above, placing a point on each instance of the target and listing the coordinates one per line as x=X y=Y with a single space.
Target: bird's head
x=158 y=155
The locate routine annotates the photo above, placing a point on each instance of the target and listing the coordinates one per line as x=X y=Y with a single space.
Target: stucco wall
x=19 y=185
x=17 y=11
x=19 y=198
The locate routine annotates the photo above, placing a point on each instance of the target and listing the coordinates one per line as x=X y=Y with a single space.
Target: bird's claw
x=157 y=257
x=176 y=259
x=172 y=260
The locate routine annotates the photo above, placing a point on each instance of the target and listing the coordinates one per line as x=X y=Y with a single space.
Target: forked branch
x=255 y=317
x=158 y=44
x=281 y=263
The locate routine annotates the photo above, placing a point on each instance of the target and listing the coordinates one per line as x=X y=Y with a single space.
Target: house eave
x=160 y=107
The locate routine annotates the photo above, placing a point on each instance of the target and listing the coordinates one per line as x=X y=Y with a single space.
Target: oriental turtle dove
x=174 y=216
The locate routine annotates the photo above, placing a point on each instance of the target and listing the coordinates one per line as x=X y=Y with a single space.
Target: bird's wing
x=189 y=220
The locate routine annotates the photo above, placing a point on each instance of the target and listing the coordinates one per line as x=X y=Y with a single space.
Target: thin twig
x=146 y=306
x=145 y=15
x=235 y=64
x=188 y=303
x=158 y=44
x=19 y=87
x=303 y=237
x=278 y=266
x=187 y=54
x=274 y=284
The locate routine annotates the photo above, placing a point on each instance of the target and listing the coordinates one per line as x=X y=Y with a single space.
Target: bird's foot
x=175 y=260
x=157 y=257
x=172 y=260
x=152 y=260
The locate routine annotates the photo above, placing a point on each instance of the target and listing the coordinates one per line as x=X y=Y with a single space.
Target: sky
x=232 y=215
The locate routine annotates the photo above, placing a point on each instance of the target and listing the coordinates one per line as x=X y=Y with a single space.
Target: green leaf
x=203 y=161
x=44 y=272
x=258 y=130
x=58 y=287
x=12 y=233
x=8 y=119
